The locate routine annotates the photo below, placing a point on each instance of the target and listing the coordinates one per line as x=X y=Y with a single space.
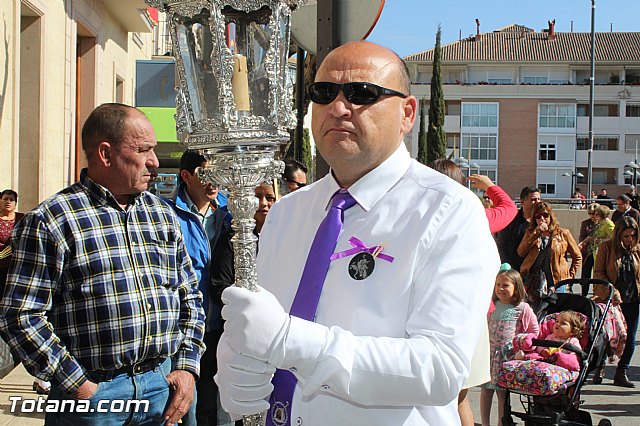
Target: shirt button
x=149 y=338
x=299 y=420
x=149 y=306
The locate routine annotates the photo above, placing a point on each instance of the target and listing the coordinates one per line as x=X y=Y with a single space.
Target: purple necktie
x=306 y=301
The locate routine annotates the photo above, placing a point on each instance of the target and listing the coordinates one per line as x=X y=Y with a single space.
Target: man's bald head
x=375 y=50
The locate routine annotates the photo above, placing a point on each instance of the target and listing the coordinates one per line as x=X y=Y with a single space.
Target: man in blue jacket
x=203 y=216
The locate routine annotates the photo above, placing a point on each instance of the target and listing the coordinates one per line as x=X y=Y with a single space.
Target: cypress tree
x=436 y=137
x=422 y=137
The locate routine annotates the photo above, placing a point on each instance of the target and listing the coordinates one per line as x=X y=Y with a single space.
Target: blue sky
x=409 y=26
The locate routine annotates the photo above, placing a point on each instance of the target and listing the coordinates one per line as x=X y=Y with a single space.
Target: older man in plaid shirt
x=101 y=290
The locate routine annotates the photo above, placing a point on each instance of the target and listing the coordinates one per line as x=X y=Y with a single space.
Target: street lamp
x=633 y=172
x=464 y=164
x=591 y=95
x=574 y=179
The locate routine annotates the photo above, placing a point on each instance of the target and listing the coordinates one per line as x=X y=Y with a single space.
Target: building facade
x=59 y=59
x=517 y=104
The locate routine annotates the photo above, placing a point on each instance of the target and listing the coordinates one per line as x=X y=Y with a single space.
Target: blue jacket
x=200 y=246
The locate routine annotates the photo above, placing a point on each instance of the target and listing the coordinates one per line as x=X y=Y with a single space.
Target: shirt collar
x=189 y=204
x=101 y=193
x=370 y=188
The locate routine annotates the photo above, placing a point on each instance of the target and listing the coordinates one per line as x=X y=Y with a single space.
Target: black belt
x=142 y=366
x=133 y=370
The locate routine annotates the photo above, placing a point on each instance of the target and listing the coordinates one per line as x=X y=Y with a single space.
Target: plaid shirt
x=93 y=286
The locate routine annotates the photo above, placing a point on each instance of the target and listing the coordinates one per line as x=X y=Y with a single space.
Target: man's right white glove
x=244 y=382
x=257 y=326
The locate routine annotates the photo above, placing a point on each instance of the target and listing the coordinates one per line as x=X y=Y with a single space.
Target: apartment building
x=517 y=106
x=59 y=59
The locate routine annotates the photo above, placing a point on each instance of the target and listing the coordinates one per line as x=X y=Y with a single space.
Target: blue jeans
x=151 y=386
x=630 y=311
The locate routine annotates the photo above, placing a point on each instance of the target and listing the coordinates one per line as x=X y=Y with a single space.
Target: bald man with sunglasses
x=399 y=308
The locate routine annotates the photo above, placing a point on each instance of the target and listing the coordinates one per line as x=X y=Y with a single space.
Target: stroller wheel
x=605 y=422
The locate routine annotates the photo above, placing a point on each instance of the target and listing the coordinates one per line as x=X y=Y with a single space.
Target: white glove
x=256 y=323
x=244 y=383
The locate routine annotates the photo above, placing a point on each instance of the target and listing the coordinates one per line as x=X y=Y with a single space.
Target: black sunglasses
x=542 y=215
x=356 y=92
x=299 y=184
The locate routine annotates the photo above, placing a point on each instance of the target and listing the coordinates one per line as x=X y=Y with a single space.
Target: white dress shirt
x=401 y=340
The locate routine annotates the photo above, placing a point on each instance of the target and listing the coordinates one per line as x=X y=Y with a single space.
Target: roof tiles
x=515 y=43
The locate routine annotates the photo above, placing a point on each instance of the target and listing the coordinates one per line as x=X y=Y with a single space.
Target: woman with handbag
x=545 y=246
x=618 y=261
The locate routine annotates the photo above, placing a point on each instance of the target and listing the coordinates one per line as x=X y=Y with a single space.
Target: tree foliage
x=307 y=156
x=436 y=137
x=422 y=136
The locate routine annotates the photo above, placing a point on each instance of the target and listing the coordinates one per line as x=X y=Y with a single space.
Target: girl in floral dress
x=511 y=316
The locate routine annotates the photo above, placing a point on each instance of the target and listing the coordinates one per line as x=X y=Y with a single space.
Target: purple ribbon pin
x=359 y=247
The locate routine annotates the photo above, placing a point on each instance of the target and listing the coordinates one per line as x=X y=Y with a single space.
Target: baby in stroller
x=545 y=370
x=567 y=328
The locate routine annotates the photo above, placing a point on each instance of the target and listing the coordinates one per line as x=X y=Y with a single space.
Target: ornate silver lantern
x=234 y=101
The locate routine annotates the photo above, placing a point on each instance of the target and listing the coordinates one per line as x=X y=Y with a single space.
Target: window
x=601 y=76
x=423 y=74
x=599 y=110
x=600 y=176
x=632 y=76
x=605 y=110
x=452 y=107
x=582 y=76
x=557 y=115
x=631 y=143
x=490 y=173
x=535 y=80
x=499 y=81
x=547 y=152
x=547 y=188
x=499 y=77
x=480 y=114
x=633 y=110
x=454 y=77
x=453 y=141
x=479 y=146
x=119 y=90
x=600 y=143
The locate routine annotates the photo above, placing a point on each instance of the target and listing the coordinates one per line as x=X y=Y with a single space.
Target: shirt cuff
x=188 y=360
x=304 y=344
x=69 y=376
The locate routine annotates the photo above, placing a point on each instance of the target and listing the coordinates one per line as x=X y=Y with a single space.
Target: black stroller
x=563 y=408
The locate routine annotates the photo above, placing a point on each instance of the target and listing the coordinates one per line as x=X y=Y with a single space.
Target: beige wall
x=8 y=105
x=38 y=151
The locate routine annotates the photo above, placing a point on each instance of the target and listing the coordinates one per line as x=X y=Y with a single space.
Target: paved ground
x=620 y=405
x=18 y=384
